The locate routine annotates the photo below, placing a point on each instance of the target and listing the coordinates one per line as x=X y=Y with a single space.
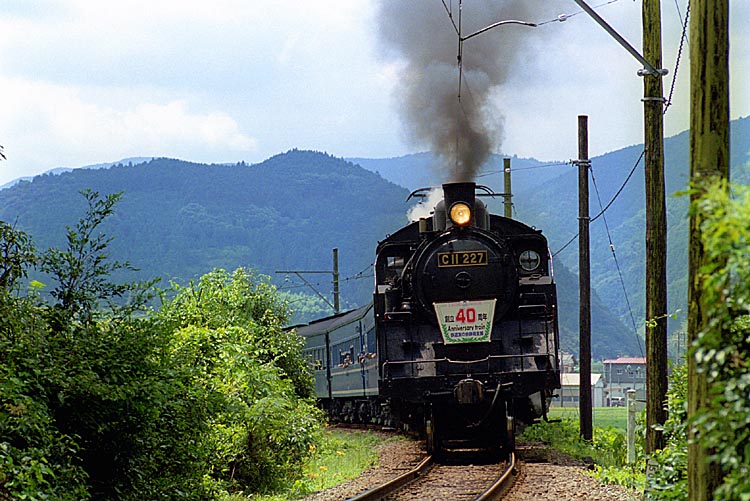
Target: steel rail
x=395 y=484
x=497 y=490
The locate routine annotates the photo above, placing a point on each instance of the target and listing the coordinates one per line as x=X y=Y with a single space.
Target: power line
x=532 y=167
x=614 y=256
x=668 y=102
x=622 y=187
x=564 y=17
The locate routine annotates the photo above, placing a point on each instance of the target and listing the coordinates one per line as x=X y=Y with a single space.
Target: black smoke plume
x=420 y=33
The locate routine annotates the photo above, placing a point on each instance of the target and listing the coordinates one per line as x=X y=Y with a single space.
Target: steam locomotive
x=461 y=339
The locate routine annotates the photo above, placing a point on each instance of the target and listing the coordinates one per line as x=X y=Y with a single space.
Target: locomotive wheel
x=510 y=428
x=430 y=437
x=432 y=428
x=510 y=435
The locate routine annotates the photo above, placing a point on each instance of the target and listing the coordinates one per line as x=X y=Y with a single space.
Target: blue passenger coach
x=341 y=350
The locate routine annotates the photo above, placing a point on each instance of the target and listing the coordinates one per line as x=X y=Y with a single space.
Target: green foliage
x=82 y=270
x=193 y=403
x=720 y=349
x=340 y=457
x=227 y=332
x=17 y=253
x=608 y=447
x=180 y=220
x=304 y=307
x=249 y=302
x=667 y=468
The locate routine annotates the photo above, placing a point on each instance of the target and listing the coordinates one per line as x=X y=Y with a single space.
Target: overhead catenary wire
x=357 y=276
x=668 y=102
x=614 y=256
x=622 y=187
x=565 y=17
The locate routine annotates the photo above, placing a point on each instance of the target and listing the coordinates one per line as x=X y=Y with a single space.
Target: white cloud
x=46 y=125
x=86 y=81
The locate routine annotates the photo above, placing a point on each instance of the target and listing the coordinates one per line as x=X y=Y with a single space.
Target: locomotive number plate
x=462 y=258
x=466 y=321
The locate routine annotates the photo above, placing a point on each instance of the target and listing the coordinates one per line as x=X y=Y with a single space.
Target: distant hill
x=60 y=170
x=178 y=220
x=419 y=171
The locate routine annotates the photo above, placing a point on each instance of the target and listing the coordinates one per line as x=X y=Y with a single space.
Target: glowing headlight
x=529 y=260
x=460 y=214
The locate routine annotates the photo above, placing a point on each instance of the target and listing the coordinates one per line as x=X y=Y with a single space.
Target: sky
x=91 y=81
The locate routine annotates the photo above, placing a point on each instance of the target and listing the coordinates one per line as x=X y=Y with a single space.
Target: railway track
x=431 y=481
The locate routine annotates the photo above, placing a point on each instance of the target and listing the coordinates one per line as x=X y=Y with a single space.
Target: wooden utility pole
x=508 y=196
x=336 y=307
x=335 y=273
x=656 y=230
x=709 y=160
x=584 y=281
x=656 y=220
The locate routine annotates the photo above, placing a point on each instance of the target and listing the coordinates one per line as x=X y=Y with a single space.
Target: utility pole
x=508 y=195
x=709 y=161
x=335 y=273
x=656 y=219
x=584 y=281
x=336 y=307
x=656 y=230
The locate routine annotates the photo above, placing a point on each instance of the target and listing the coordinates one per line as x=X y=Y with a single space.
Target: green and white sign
x=465 y=321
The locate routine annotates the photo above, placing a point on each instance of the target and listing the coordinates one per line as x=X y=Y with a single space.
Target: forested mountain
x=178 y=220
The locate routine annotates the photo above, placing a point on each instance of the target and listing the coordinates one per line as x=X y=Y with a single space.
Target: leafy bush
x=244 y=300
x=667 y=468
x=720 y=349
x=227 y=331
x=208 y=397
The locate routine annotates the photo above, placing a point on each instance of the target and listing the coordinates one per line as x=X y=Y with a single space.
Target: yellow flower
x=340 y=453
x=323 y=468
x=312 y=447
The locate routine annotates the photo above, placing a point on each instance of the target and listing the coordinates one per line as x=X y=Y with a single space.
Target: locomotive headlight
x=460 y=214
x=529 y=260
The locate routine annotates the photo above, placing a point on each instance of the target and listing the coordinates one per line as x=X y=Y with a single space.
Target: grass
x=616 y=417
x=340 y=456
x=607 y=449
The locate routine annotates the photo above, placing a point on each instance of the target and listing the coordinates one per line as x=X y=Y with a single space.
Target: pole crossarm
x=649 y=68
x=335 y=273
x=299 y=274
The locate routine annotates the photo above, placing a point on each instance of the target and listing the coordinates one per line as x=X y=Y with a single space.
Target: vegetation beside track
x=339 y=456
x=103 y=398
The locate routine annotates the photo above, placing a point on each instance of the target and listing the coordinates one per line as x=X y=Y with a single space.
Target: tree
x=17 y=253
x=249 y=375
x=82 y=270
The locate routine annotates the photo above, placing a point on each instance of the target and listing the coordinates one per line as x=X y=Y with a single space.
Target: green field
x=616 y=417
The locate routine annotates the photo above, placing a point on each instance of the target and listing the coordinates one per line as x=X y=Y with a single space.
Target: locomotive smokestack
x=459 y=192
x=462 y=133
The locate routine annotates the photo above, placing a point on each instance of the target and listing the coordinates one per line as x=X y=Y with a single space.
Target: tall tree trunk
x=709 y=160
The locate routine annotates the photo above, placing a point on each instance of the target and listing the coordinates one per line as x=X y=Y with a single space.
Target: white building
x=569 y=393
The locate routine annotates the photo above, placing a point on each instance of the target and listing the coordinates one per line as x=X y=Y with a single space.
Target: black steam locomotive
x=461 y=339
